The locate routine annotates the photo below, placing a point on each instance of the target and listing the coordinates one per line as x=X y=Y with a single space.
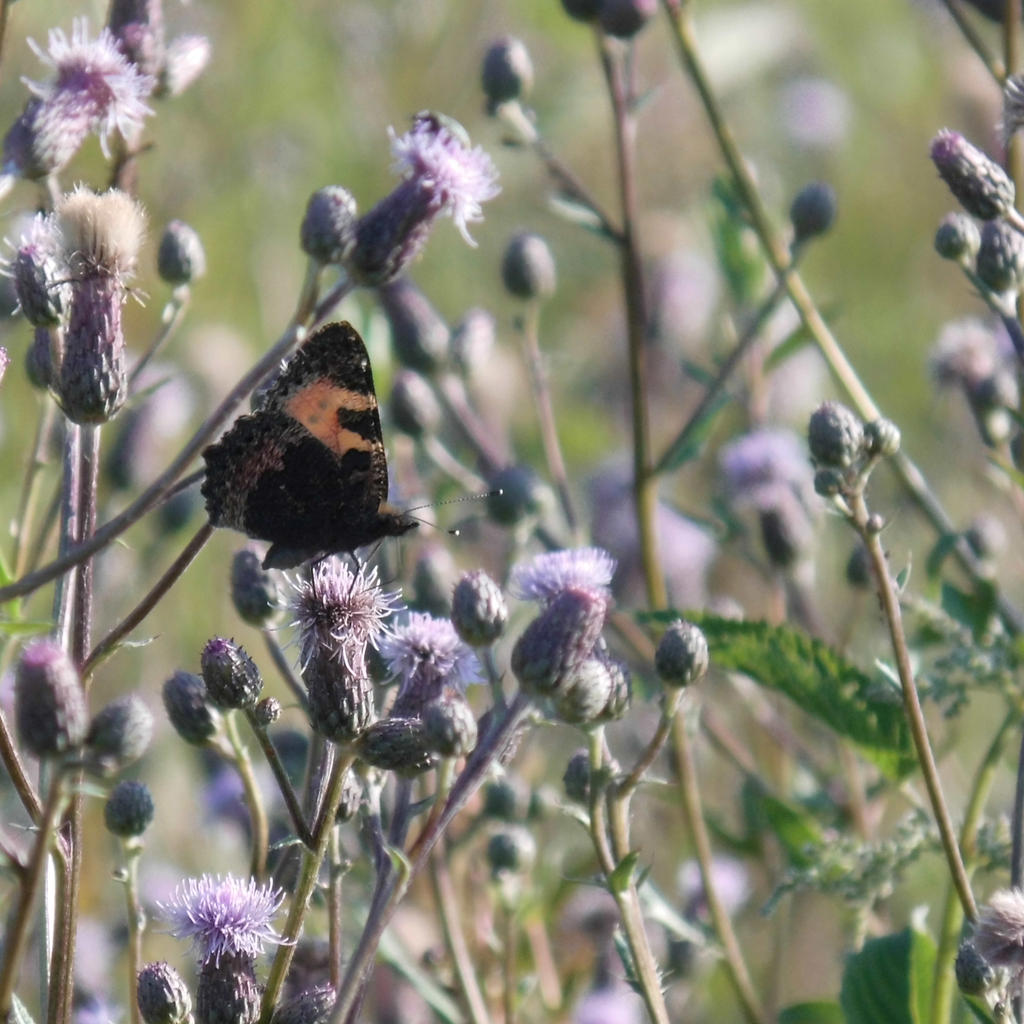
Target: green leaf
x=820 y=680
x=623 y=873
x=823 y=1012
x=890 y=980
x=973 y=610
x=25 y=627
x=941 y=550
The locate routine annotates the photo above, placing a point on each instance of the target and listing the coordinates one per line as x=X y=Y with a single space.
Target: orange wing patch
x=317 y=405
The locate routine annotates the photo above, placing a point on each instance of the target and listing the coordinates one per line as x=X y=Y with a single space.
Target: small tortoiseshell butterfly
x=307 y=471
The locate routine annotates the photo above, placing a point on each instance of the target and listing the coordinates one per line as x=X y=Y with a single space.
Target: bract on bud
x=187 y=706
x=1000 y=260
x=957 y=237
x=479 y=611
x=231 y=676
x=682 y=654
x=397 y=745
x=119 y=734
x=835 y=436
x=163 y=996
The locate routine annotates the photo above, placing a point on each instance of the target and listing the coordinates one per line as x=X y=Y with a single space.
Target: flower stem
x=253 y=800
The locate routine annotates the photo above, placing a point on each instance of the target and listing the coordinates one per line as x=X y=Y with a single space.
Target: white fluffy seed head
x=103 y=232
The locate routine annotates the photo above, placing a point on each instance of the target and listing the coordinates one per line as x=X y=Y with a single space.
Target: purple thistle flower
x=95 y=77
x=544 y=577
x=339 y=612
x=441 y=175
x=764 y=459
x=223 y=916
x=39 y=272
x=426 y=654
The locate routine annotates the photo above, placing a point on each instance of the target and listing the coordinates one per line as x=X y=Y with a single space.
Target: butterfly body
x=307 y=471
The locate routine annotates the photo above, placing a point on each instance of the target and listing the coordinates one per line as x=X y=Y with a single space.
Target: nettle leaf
x=890 y=980
x=820 y=680
x=822 y=1012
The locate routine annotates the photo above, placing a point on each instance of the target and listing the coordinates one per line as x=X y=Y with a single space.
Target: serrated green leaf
x=823 y=1012
x=890 y=980
x=820 y=680
x=623 y=873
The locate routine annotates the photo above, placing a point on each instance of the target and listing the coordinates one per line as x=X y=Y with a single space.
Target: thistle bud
x=835 y=436
x=415 y=409
x=479 y=611
x=450 y=725
x=419 y=335
x=472 y=340
x=185 y=701
x=397 y=745
x=313 y=1006
x=231 y=676
x=576 y=778
x=39 y=274
x=620 y=693
x=119 y=734
x=180 y=259
x=813 y=211
x=254 y=590
x=49 y=703
x=583 y=692
x=340 y=700
x=511 y=849
x=507 y=71
x=515 y=493
x=983 y=188
x=828 y=482
x=582 y=10
x=227 y=991
x=528 y=267
x=858 y=568
x=506 y=799
x=974 y=974
x=163 y=996
x=129 y=809
x=1000 y=260
x=682 y=654
x=624 y=18
x=882 y=438
x=267 y=712
x=559 y=640
x=326 y=231
x=957 y=237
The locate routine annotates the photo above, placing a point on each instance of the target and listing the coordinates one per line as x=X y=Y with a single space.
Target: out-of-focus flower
x=546 y=576
x=186 y=60
x=94 y=88
x=442 y=175
x=999 y=933
x=223 y=916
x=816 y=113
x=983 y=188
x=427 y=654
x=609 y=1004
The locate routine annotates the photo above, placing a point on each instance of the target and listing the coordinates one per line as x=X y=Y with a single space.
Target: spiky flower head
x=223 y=916
x=227 y=991
x=983 y=188
x=479 y=611
x=340 y=612
x=426 y=654
x=999 y=933
x=129 y=809
x=835 y=436
x=442 y=175
x=93 y=88
x=1000 y=259
x=397 y=745
x=682 y=654
x=39 y=272
x=311 y=1006
x=957 y=237
x=546 y=576
x=49 y=702
x=231 y=676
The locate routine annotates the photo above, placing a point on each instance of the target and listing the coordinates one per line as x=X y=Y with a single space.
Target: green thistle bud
x=624 y=18
x=682 y=655
x=181 y=257
x=507 y=71
x=419 y=335
x=231 y=676
x=1000 y=260
x=983 y=188
x=513 y=849
x=254 y=590
x=813 y=211
x=267 y=712
x=515 y=493
x=479 y=611
x=528 y=267
x=506 y=799
x=397 y=745
x=49 y=703
x=974 y=974
x=163 y=996
x=185 y=700
x=119 y=734
x=835 y=436
x=583 y=692
x=340 y=700
x=313 y=1006
x=858 y=568
x=129 y=809
x=882 y=437
x=957 y=237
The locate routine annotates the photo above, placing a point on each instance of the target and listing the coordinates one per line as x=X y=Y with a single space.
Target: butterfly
x=307 y=470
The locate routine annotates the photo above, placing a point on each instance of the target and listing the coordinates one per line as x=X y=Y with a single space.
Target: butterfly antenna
x=453 y=532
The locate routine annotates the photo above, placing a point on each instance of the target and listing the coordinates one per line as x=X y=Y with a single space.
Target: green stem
x=912 y=704
x=253 y=800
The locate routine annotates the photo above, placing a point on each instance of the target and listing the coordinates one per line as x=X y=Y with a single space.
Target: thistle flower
x=185 y=61
x=339 y=612
x=544 y=577
x=138 y=27
x=231 y=676
x=49 y=703
x=39 y=272
x=163 y=996
x=441 y=176
x=223 y=916
x=426 y=654
x=983 y=188
x=94 y=88
x=102 y=236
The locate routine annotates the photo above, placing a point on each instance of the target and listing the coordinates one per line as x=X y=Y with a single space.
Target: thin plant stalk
x=136 y=921
x=253 y=800
x=912 y=705
x=284 y=784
